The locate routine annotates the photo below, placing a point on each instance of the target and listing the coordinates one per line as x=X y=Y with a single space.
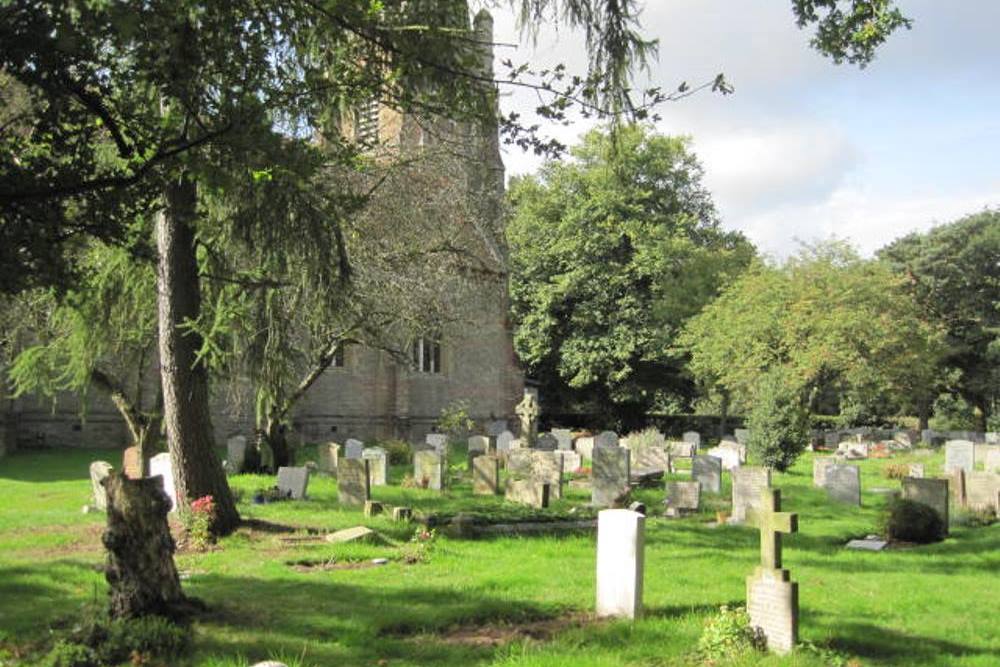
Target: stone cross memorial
x=353 y=482
x=610 y=473
x=620 y=547
x=527 y=412
x=293 y=481
x=99 y=471
x=163 y=466
x=707 y=471
x=772 y=598
x=428 y=469
x=378 y=465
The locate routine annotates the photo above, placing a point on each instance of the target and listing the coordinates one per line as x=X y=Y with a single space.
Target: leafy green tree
x=953 y=271
x=778 y=422
x=610 y=254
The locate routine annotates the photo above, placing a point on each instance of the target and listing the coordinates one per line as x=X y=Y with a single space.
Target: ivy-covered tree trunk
x=197 y=469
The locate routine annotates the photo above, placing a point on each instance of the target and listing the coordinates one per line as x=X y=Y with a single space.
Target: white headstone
x=730 y=456
x=504 y=438
x=585 y=447
x=161 y=465
x=377 y=465
x=742 y=435
x=620 y=547
x=439 y=441
x=959 y=454
x=479 y=443
x=353 y=448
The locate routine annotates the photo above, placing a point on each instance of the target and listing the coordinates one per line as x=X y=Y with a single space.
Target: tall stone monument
x=527 y=412
x=772 y=597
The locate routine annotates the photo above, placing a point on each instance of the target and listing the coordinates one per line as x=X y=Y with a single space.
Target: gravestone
x=956 y=483
x=606 y=439
x=353 y=482
x=930 y=492
x=293 y=481
x=772 y=598
x=981 y=453
x=692 y=437
x=504 y=438
x=992 y=462
x=707 y=471
x=682 y=497
x=428 y=469
x=99 y=471
x=130 y=462
x=679 y=449
x=749 y=483
x=439 y=441
x=485 y=475
x=236 y=452
x=328 y=454
x=727 y=454
x=496 y=427
x=903 y=437
x=162 y=466
x=571 y=461
x=564 y=437
x=378 y=465
x=650 y=459
x=959 y=454
x=527 y=492
x=527 y=412
x=981 y=491
x=854 y=450
x=353 y=448
x=820 y=466
x=742 y=435
x=479 y=443
x=547 y=469
x=547 y=442
x=620 y=551
x=610 y=472
x=843 y=483
x=916 y=470
x=585 y=447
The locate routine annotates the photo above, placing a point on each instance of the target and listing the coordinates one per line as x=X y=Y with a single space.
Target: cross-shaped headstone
x=772 y=523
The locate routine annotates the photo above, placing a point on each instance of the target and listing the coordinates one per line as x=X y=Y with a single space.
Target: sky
x=805 y=150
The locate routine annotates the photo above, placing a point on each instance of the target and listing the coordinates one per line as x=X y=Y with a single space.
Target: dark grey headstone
x=610 y=472
x=707 y=471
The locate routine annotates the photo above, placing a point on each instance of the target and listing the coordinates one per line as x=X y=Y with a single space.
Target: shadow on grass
x=55 y=465
x=878 y=643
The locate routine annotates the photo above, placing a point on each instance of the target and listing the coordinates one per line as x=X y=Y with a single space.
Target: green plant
x=70 y=654
x=197 y=522
x=728 y=635
x=455 y=419
x=418 y=549
x=647 y=437
x=398 y=452
x=911 y=522
x=778 y=423
x=896 y=471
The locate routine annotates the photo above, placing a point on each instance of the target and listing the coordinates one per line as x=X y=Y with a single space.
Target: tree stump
x=141 y=570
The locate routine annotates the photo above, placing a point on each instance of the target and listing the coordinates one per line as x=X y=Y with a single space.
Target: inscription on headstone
x=620 y=551
x=353 y=482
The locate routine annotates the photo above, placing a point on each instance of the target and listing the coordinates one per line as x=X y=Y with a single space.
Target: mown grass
x=933 y=605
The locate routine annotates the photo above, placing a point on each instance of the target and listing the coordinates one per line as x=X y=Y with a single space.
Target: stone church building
x=367 y=393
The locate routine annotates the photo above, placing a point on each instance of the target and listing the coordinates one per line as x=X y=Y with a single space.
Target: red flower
x=205 y=504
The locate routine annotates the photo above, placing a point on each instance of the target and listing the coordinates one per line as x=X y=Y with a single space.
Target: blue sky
x=806 y=149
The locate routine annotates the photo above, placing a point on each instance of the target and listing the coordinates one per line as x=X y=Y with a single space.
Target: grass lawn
x=935 y=605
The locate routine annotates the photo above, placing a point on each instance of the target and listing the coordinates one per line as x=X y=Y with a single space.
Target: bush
x=638 y=440
x=728 y=635
x=397 y=452
x=912 y=522
x=71 y=654
x=98 y=641
x=896 y=471
x=455 y=420
x=778 y=423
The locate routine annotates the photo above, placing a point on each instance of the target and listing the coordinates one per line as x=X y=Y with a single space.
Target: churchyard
x=443 y=591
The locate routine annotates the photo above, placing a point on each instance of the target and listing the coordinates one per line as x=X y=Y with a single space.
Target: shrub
x=647 y=437
x=728 y=635
x=911 y=522
x=397 y=452
x=896 y=471
x=455 y=420
x=71 y=654
x=97 y=640
x=197 y=522
x=778 y=423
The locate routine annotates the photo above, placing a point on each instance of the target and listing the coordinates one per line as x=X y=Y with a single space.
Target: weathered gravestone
x=294 y=480
x=772 y=598
x=571 y=461
x=161 y=465
x=378 y=465
x=916 y=470
x=930 y=492
x=328 y=454
x=547 y=442
x=854 y=450
x=131 y=465
x=428 y=469
x=527 y=492
x=959 y=454
x=650 y=458
x=353 y=482
x=99 y=471
x=236 y=453
x=620 y=550
x=485 y=475
x=606 y=439
x=820 y=466
x=564 y=437
x=749 y=484
x=992 y=462
x=956 y=484
x=504 y=438
x=527 y=412
x=707 y=471
x=981 y=491
x=729 y=454
x=982 y=452
x=742 y=435
x=692 y=437
x=541 y=467
x=585 y=447
x=353 y=448
x=843 y=484
x=439 y=441
x=610 y=472
x=682 y=497
x=478 y=444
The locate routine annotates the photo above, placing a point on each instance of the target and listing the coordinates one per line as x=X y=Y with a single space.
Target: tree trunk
x=924 y=416
x=274 y=435
x=982 y=415
x=140 y=569
x=197 y=469
x=724 y=414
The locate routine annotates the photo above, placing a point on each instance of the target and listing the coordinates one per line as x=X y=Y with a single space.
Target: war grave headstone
x=682 y=497
x=742 y=435
x=992 y=460
x=959 y=454
x=981 y=491
x=585 y=447
x=527 y=412
x=485 y=475
x=527 y=492
x=930 y=492
x=439 y=441
x=294 y=480
x=571 y=461
x=610 y=474
x=99 y=471
x=916 y=470
x=843 y=483
x=547 y=442
x=378 y=465
x=772 y=598
x=564 y=437
x=606 y=439
x=328 y=454
x=162 y=465
x=130 y=462
x=820 y=465
x=692 y=437
x=236 y=452
x=353 y=482
x=728 y=454
x=620 y=562
x=749 y=483
x=707 y=471
x=428 y=469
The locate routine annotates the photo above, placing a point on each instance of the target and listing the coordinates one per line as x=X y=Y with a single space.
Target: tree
x=778 y=422
x=610 y=254
x=953 y=271
x=825 y=320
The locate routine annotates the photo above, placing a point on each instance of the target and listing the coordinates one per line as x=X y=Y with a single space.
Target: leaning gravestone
x=130 y=462
x=585 y=447
x=620 y=551
x=547 y=442
x=772 y=598
x=606 y=439
x=610 y=472
x=981 y=490
x=161 y=465
x=843 y=484
x=353 y=448
x=564 y=437
x=328 y=454
x=293 y=481
x=527 y=492
x=820 y=466
x=236 y=452
x=707 y=471
x=749 y=483
x=930 y=492
x=692 y=437
x=99 y=471
x=959 y=454
x=485 y=475
x=378 y=465
x=439 y=441
x=353 y=482
x=428 y=469
x=682 y=497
